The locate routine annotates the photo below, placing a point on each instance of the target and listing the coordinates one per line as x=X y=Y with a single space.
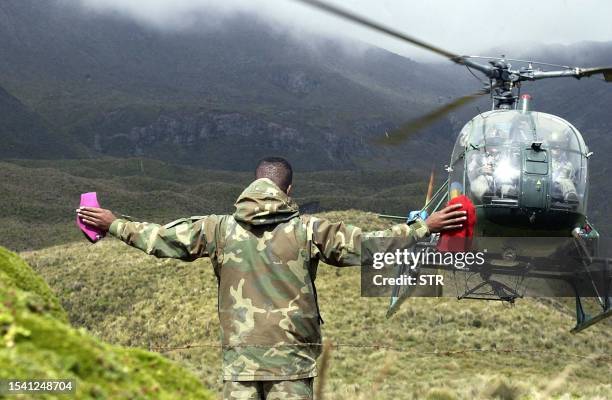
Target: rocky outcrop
x=181 y=136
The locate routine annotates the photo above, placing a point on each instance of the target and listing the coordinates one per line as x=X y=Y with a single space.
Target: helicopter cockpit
x=520 y=159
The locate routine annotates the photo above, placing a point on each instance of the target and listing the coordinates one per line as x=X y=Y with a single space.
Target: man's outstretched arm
x=339 y=244
x=185 y=239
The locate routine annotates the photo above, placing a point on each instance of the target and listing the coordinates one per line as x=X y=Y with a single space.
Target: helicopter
x=526 y=173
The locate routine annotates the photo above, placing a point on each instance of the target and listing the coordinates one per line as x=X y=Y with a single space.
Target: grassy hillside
x=39 y=197
x=440 y=348
x=36 y=341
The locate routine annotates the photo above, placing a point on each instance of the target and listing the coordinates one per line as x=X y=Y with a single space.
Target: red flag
x=459 y=239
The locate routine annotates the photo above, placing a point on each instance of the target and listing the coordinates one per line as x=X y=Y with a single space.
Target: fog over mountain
x=466 y=27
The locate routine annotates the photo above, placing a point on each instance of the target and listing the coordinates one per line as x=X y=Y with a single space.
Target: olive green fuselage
x=504 y=221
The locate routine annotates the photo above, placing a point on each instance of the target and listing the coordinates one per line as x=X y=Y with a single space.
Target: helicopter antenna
x=491 y=95
x=430 y=186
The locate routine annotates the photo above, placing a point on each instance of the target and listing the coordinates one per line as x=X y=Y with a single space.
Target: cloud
x=466 y=27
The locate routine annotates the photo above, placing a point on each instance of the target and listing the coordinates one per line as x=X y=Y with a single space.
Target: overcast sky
x=461 y=26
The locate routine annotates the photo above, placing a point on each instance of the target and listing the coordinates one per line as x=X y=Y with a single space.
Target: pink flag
x=92 y=234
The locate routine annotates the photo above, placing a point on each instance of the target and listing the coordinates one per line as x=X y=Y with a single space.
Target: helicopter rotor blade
x=345 y=14
x=573 y=73
x=399 y=135
x=605 y=71
x=339 y=12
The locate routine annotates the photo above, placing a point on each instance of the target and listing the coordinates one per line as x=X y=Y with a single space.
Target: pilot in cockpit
x=563 y=172
x=491 y=172
x=480 y=170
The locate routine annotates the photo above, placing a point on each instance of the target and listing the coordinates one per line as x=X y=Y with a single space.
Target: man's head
x=278 y=170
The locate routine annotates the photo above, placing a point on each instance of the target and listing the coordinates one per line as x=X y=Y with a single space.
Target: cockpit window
x=555 y=133
x=493 y=172
x=508 y=127
x=488 y=158
x=567 y=165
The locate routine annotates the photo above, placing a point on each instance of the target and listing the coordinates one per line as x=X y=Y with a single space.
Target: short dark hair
x=277 y=169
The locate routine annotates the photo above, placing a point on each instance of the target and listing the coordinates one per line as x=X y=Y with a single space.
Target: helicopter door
x=534 y=187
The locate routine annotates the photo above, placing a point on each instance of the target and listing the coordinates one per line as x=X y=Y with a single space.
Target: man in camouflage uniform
x=265 y=259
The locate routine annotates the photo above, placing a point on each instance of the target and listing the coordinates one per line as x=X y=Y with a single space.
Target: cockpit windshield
x=496 y=150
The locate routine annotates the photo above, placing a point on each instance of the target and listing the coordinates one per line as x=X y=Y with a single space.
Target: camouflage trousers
x=299 y=389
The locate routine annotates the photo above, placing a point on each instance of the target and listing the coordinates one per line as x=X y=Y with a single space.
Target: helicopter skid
x=588 y=321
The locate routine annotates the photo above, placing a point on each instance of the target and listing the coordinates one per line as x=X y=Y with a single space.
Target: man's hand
x=445 y=219
x=97 y=217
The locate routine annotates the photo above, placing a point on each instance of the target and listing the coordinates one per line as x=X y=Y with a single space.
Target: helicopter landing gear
x=583 y=319
x=595 y=281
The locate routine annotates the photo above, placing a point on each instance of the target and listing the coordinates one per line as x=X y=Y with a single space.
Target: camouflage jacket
x=265 y=259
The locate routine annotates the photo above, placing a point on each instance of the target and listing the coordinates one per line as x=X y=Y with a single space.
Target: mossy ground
x=36 y=342
x=524 y=351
